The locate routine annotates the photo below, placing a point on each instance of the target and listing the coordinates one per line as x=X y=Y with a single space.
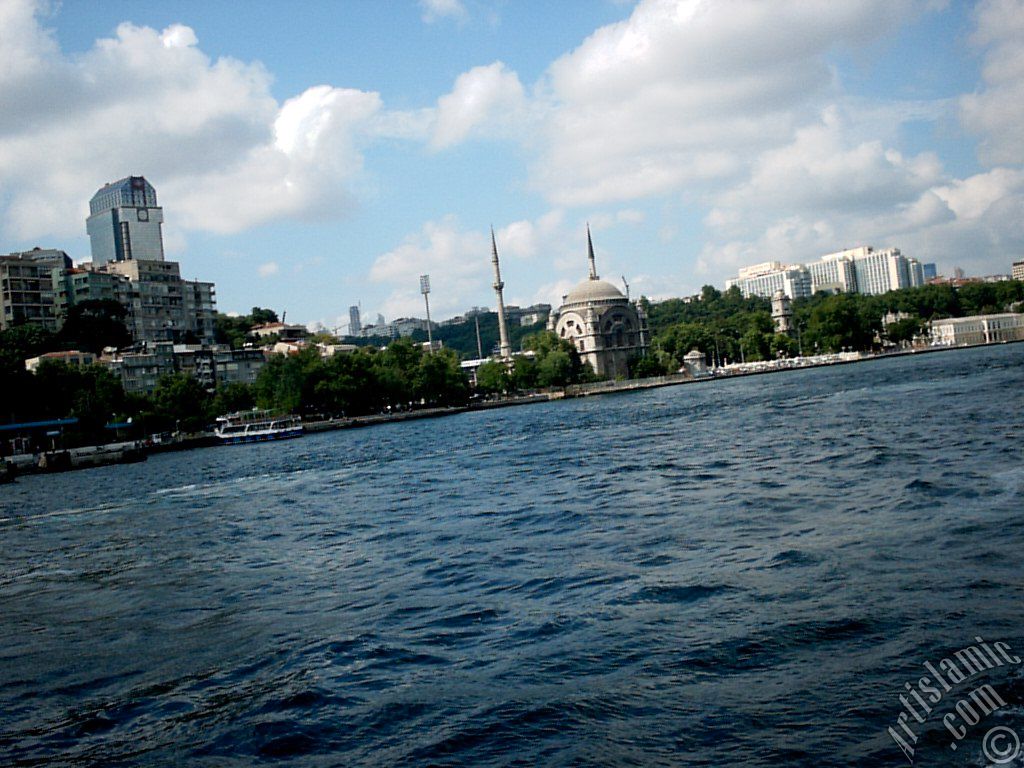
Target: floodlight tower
x=425 y=290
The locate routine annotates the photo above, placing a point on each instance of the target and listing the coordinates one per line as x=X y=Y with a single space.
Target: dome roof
x=593 y=290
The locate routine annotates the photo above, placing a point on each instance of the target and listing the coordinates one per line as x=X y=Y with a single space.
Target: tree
x=841 y=321
x=260 y=316
x=524 y=373
x=493 y=376
x=439 y=380
x=92 y=394
x=235 y=330
x=555 y=369
x=233 y=397
x=647 y=366
x=94 y=324
x=783 y=346
x=180 y=402
x=904 y=330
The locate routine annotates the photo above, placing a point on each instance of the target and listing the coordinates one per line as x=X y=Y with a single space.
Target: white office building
x=772 y=276
x=855 y=270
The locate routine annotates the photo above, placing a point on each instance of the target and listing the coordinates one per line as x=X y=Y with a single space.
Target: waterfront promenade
x=40 y=463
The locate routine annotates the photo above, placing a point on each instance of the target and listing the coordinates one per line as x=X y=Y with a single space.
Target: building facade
x=606 y=329
x=125 y=222
x=32 y=288
x=125 y=229
x=782 y=313
x=855 y=270
x=767 y=278
x=978 y=329
x=71 y=357
x=833 y=273
x=1017 y=270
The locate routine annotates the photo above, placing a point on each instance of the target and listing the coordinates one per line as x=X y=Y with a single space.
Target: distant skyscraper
x=354 y=325
x=125 y=222
x=929 y=271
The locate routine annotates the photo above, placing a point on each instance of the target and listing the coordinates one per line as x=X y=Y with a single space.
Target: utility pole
x=425 y=290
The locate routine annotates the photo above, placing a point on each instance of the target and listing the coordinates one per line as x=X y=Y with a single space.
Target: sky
x=311 y=156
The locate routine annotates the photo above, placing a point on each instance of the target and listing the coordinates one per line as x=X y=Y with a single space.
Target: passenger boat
x=256 y=427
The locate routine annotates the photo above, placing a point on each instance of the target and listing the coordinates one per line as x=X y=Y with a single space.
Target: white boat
x=256 y=427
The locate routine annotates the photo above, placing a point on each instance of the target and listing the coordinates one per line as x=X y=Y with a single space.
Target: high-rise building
x=855 y=270
x=32 y=288
x=125 y=222
x=771 y=276
x=1017 y=270
x=162 y=306
x=354 y=324
x=125 y=229
x=833 y=273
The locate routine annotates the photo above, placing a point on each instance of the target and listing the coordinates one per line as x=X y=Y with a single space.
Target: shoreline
x=206 y=440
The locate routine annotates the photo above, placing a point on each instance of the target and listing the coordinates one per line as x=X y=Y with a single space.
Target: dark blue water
x=738 y=572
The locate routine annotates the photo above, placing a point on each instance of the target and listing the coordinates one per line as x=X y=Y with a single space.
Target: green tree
x=94 y=324
x=438 y=380
x=904 y=330
x=493 y=376
x=179 y=401
x=648 y=366
x=555 y=369
x=233 y=397
x=524 y=373
x=841 y=321
x=783 y=346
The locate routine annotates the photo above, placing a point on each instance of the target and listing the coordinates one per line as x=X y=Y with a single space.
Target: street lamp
x=425 y=290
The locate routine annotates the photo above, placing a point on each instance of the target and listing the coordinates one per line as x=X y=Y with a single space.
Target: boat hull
x=260 y=437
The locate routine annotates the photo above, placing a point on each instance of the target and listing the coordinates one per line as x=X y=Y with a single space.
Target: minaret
x=590 y=255
x=506 y=348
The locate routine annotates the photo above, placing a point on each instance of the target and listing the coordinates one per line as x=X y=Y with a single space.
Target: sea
x=738 y=572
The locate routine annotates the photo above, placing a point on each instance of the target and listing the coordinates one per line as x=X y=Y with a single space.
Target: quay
x=91 y=456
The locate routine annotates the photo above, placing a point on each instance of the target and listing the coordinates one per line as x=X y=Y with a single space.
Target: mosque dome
x=593 y=290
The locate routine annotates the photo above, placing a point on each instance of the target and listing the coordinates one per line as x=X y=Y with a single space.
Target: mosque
x=606 y=329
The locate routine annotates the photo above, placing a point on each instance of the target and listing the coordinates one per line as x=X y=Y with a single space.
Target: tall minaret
x=590 y=255
x=506 y=348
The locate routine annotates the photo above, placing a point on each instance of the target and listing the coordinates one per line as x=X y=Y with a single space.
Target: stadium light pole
x=425 y=290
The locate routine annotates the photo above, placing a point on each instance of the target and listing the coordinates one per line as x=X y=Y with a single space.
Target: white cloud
x=686 y=92
x=267 y=269
x=222 y=153
x=485 y=100
x=996 y=113
x=434 y=10
x=526 y=239
x=457 y=261
x=825 y=171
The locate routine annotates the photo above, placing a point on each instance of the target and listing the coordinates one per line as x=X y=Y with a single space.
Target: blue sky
x=313 y=155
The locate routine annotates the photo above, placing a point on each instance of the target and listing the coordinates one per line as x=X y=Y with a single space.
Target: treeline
x=722 y=325
x=727 y=327
x=461 y=337
x=234 y=330
x=554 y=363
x=400 y=377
